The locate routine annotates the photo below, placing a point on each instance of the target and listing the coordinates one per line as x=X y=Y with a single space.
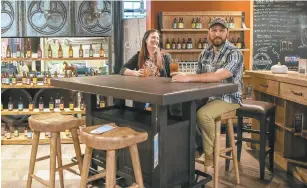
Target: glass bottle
x=183 y=45
x=49 y=52
x=82 y=105
x=20 y=104
x=60 y=51
x=8 y=132
x=167 y=45
x=16 y=132
x=178 y=46
x=18 y=52
x=10 y=104
x=49 y=78
x=71 y=104
x=8 y=51
x=175 y=24
x=70 y=51
x=34 y=79
x=101 y=102
x=101 y=51
x=80 y=51
x=55 y=74
x=3 y=76
x=61 y=105
x=200 y=45
x=45 y=79
x=29 y=50
x=41 y=104
x=173 y=44
x=193 y=25
x=28 y=79
x=24 y=78
x=57 y=100
x=31 y=105
x=14 y=79
x=7 y=79
x=29 y=133
x=91 y=51
x=51 y=104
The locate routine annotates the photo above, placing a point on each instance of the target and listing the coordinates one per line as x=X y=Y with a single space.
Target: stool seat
x=256 y=107
x=53 y=122
x=117 y=138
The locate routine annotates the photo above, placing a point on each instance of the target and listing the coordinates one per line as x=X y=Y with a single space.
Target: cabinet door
x=93 y=18
x=46 y=18
x=9 y=19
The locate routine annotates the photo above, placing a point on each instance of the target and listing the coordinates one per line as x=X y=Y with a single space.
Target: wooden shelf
x=36 y=111
x=51 y=59
x=201 y=30
x=22 y=140
x=191 y=50
x=20 y=85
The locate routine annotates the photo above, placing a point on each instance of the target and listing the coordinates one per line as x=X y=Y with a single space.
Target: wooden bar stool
x=54 y=123
x=118 y=138
x=221 y=153
x=261 y=111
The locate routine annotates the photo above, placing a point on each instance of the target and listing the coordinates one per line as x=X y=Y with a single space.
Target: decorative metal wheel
x=7 y=16
x=91 y=20
x=50 y=21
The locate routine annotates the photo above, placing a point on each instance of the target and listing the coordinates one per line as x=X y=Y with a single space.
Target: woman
x=149 y=58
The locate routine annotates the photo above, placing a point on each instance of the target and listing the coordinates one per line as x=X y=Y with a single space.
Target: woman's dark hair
x=144 y=54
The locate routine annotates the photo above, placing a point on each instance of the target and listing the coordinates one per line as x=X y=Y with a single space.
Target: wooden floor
x=15 y=162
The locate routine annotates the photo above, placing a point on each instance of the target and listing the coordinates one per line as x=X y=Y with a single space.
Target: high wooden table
x=167 y=157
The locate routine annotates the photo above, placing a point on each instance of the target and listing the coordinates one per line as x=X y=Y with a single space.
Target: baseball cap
x=218 y=20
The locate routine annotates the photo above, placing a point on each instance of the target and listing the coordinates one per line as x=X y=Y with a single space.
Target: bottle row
x=197 y=24
x=58 y=103
x=54 y=104
x=27 y=79
x=8 y=134
x=185 y=45
x=28 y=52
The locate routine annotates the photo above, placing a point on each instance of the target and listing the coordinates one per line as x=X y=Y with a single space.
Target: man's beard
x=217 y=41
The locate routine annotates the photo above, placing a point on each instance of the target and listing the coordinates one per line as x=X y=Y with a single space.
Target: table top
x=154 y=90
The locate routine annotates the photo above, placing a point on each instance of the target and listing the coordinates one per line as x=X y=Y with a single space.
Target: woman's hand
x=177 y=73
x=139 y=73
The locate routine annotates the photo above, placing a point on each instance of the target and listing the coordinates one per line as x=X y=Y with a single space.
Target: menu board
x=280 y=33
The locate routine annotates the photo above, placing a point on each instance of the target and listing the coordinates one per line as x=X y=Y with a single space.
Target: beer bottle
x=71 y=104
x=60 y=51
x=10 y=104
x=200 y=45
x=173 y=44
x=41 y=104
x=193 y=25
x=16 y=132
x=20 y=104
x=49 y=52
x=39 y=51
x=8 y=51
x=61 y=105
x=45 y=80
x=49 y=78
x=183 y=45
x=80 y=51
x=31 y=105
x=178 y=44
x=167 y=45
x=29 y=50
x=18 y=52
x=24 y=78
x=82 y=105
x=91 y=51
x=14 y=79
x=101 y=51
x=175 y=24
x=34 y=79
x=70 y=51
x=51 y=104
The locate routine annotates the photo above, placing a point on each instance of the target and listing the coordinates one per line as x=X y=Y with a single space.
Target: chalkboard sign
x=280 y=33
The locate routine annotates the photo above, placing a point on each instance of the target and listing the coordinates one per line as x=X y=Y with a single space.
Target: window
x=134 y=8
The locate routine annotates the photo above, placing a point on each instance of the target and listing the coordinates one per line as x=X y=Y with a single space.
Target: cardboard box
x=302 y=67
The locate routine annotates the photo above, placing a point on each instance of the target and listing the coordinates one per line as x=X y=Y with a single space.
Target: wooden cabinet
x=288 y=92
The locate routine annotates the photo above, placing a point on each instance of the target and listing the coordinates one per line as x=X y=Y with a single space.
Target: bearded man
x=220 y=62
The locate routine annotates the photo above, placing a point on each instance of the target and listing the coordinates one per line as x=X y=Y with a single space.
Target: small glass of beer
x=174 y=66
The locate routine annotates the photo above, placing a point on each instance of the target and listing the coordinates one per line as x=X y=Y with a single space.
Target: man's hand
x=139 y=72
x=181 y=78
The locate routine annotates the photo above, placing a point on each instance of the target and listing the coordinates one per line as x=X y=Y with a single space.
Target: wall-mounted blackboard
x=280 y=32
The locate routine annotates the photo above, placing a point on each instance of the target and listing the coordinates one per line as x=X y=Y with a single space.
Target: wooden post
x=233 y=145
x=33 y=157
x=86 y=166
x=217 y=151
x=136 y=165
x=111 y=169
x=53 y=152
x=59 y=159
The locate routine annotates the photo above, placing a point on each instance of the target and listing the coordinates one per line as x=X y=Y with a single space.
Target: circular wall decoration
x=47 y=22
x=7 y=16
x=93 y=22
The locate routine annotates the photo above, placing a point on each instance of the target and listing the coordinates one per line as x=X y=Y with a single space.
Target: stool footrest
x=247 y=140
x=73 y=171
x=268 y=151
x=226 y=157
x=250 y=130
x=65 y=167
x=40 y=180
x=97 y=176
x=42 y=158
x=134 y=186
x=226 y=150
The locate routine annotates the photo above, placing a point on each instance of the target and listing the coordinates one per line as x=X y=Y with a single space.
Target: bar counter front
x=167 y=157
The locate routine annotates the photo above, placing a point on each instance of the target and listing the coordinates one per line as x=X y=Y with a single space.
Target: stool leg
x=136 y=165
x=59 y=159
x=76 y=142
x=217 y=151
x=233 y=145
x=35 y=142
x=239 y=137
x=271 y=142
x=86 y=166
x=53 y=149
x=227 y=161
x=262 y=146
x=111 y=169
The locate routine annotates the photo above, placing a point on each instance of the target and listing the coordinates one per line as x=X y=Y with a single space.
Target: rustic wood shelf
x=190 y=50
x=36 y=111
x=201 y=30
x=22 y=140
x=20 y=85
x=51 y=59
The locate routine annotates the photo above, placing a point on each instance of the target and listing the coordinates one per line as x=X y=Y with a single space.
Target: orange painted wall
x=154 y=7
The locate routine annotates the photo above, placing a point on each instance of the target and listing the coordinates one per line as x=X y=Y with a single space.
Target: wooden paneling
x=294 y=93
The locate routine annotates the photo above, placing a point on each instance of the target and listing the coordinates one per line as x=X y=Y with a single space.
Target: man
x=220 y=62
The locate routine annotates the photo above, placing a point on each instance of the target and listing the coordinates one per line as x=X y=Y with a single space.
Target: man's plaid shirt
x=230 y=58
